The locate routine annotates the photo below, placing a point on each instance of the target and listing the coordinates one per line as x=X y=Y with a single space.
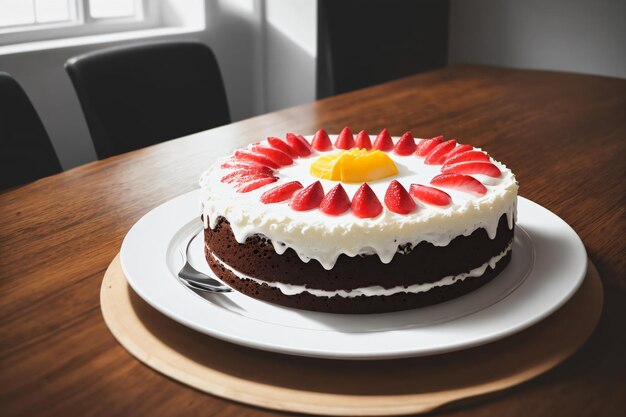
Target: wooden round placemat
x=337 y=387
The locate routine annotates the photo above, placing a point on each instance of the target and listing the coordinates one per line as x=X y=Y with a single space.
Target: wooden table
x=563 y=135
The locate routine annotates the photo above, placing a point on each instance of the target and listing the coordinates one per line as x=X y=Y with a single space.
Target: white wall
x=291 y=48
x=240 y=36
x=586 y=36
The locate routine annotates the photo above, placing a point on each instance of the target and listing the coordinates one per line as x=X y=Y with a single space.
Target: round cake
x=344 y=224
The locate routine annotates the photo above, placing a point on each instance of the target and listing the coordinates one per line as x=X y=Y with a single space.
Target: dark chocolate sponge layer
x=420 y=264
x=360 y=304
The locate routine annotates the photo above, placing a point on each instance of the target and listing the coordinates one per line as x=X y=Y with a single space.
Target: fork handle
x=205 y=287
x=189 y=273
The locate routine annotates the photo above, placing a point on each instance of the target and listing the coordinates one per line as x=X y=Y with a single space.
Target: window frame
x=82 y=24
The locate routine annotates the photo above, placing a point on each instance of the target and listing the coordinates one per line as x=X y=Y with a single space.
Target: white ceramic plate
x=549 y=263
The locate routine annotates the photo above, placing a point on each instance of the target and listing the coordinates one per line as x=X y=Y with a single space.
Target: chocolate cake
x=357 y=227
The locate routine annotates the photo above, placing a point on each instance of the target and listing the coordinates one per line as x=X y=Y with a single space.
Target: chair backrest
x=138 y=95
x=26 y=153
x=366 y=42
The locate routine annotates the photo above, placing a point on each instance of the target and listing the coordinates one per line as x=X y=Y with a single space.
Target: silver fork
x=197 y=280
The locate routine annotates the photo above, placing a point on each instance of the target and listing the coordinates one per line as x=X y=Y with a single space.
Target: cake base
x=334 y=387
x=257 y=258
x=312 y=287
x=354 y=305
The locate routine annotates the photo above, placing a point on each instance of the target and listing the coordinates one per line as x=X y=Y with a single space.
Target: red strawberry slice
x=255 y=157
x=240 y=177
x=235 y=164
x=321 y=142
x=383 y=141
x=246 y=178
x=365 y=204
x=466 y=156
x=438 y=154
x=308 y=198
x=363 y=140
x=398 y=200
x=254 y=184
x=282 y=146
x=345 y=140
x=459 y=149
x=430 y=195
x=406 y=145
x=240 y=174
x=280 y=193
x=275 y=155
x=472 y=167
x=459 y=182
x=336 y=202
x=299 y=144
x=426 y=145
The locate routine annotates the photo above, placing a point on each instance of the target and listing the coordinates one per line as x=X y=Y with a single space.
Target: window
x=21 y=13
x=35 y=20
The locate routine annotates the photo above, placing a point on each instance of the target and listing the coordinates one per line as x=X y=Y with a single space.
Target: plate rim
x=271 y=345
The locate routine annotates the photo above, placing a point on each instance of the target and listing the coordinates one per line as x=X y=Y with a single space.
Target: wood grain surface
x=564 y=135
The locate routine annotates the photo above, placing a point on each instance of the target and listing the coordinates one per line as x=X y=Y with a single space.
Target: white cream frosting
x=315 y=235
x=290 y=289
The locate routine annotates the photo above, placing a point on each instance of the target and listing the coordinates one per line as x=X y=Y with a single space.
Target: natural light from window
x=27 y=12
x=31 y=25
x=24 y=15
x=102 y=9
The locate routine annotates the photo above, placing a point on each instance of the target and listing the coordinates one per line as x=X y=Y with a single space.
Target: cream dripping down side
x=377 y=290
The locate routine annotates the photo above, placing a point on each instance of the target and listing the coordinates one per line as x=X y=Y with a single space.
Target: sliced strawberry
x=255 y=157
x=299 y=144
x=246 y=178
x=466 y=156
x=321 y=142
x=406 y=145
x=472 y=167
x=459 y=182
x=254 y=184
x=275 y=155
x=282 y=146
x=236 y=164
x=308 y=198
x=439 y=152
x=398 y=200
x=365 y=204
x=430 y=195
x=280 y=193
x=240 y=174
x=336 y=202
x=459 y=149
x=426 y=145
x=363 y=140
x=383 y=141
x=345 y=140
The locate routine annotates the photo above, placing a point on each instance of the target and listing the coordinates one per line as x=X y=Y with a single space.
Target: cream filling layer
x=377 y=290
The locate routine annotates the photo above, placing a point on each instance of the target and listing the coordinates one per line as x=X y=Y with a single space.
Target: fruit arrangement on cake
x=344 y=224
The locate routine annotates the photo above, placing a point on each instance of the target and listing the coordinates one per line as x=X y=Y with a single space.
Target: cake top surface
x=337 y=196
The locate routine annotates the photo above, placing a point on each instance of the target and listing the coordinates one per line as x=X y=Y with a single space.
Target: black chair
x=138 y=95
x=26 y=153
x=366 y=42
